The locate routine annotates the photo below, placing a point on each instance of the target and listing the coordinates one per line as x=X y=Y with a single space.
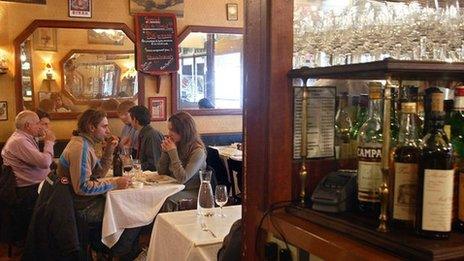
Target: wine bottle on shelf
x=457 y=140
x=342 y=129
x=406 y=168
x=436 y=176
x=361 y=116
x=394 y=109
x=369 y=154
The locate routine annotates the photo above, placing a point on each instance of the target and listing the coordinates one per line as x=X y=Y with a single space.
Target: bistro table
x=133 y=207
x=178 y=235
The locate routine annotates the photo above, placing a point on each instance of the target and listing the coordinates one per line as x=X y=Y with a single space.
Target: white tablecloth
x=178 y=235
x=132 y=207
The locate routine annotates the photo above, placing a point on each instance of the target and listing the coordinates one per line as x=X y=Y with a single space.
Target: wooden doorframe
x=268 y=107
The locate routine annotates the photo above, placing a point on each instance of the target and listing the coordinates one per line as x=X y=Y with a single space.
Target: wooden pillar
x=267 y=112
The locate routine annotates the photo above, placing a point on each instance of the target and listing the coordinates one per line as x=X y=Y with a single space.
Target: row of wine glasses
x=367 y=30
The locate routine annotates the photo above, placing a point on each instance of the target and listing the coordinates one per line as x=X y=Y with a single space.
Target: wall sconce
x=3 y=64
x=49 y=71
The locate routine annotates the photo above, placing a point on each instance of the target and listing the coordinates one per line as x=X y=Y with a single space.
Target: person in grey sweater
x=183 y=156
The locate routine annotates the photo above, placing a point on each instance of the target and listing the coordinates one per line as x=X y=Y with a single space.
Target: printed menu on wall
x=320 y=119
x=156 y=43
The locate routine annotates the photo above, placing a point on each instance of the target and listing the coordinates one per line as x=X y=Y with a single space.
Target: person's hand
x=125 y=142
x=123 y=182
x=111 y=142
x=168 y=144
x=49 y=136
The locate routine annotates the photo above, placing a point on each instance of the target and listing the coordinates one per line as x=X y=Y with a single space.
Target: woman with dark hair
x=183 y=156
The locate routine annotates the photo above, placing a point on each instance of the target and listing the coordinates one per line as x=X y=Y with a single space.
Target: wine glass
x=220 y=196
x=137 y=168
x=127 y=163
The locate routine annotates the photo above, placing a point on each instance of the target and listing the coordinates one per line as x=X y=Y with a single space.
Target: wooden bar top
x=322 y=242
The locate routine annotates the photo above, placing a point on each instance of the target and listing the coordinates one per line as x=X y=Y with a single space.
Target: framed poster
x=44 y=39
x=80 y=8
x=156 y=42
x=3 y=111
x=232 y=12
x=156 y=6
x=157 y=108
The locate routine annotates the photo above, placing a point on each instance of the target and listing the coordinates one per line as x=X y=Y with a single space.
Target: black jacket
x=52 y=233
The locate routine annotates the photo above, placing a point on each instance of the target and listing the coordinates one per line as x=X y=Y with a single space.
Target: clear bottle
x=342 y=129
x=205 y=202
x=369 y=154
x=406 y=168
x=434 y=203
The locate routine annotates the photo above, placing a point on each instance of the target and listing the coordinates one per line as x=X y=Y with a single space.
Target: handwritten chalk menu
x=156 y=36
x=320 y=118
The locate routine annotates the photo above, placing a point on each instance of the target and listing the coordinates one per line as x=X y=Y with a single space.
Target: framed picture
x=112 y=37
x=155 y=6
x=3 y=111
x=80 y=8
x=157 y=108
x=44 y=39
x=232 y=12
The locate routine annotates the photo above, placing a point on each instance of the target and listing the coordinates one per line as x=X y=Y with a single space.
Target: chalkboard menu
x=156 y=46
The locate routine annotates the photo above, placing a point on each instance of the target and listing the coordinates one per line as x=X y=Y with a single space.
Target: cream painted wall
x=15 y=17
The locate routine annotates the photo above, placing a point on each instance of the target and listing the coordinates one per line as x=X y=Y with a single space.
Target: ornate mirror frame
x=174 y=82
x=68 y=24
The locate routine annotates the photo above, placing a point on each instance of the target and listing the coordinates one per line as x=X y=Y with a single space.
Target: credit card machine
x=336 y=192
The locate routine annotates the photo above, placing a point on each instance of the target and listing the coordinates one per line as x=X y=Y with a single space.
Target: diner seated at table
x=149 y=140
x=183 y=155
x=129 y=135
x=80 y=163
x=29 y=165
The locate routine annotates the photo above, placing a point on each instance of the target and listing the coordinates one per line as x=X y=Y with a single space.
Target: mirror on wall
x=66 y=67
x=210 y=76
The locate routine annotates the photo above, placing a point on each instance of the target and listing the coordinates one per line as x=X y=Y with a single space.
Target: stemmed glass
x=220 y=196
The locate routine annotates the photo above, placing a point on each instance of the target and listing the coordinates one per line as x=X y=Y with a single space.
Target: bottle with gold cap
x=406 y=167
x=434 y=203
x=369 y=154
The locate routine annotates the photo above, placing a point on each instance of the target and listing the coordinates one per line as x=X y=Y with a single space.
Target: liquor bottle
x=361 y=115
x=457 y=140
x=342 y=129
x=406 y=168
x=448 y=107
x=429 y=93
x=117 y=164
x=436 y=176
x=394 y=125
x=369 y=154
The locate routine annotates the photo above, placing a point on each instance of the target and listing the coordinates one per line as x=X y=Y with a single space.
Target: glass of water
x=221 y=197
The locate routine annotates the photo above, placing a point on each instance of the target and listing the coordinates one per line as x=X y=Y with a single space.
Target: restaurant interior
x=276 y=90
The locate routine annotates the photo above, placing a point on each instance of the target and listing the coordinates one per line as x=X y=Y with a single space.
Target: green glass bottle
x=361 y=116
x=342 y=129
x=394 y=122
x=457 y=140
x=369 y=154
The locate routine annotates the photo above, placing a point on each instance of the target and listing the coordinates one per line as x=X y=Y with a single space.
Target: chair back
x=7 y=186
x=213 y=160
